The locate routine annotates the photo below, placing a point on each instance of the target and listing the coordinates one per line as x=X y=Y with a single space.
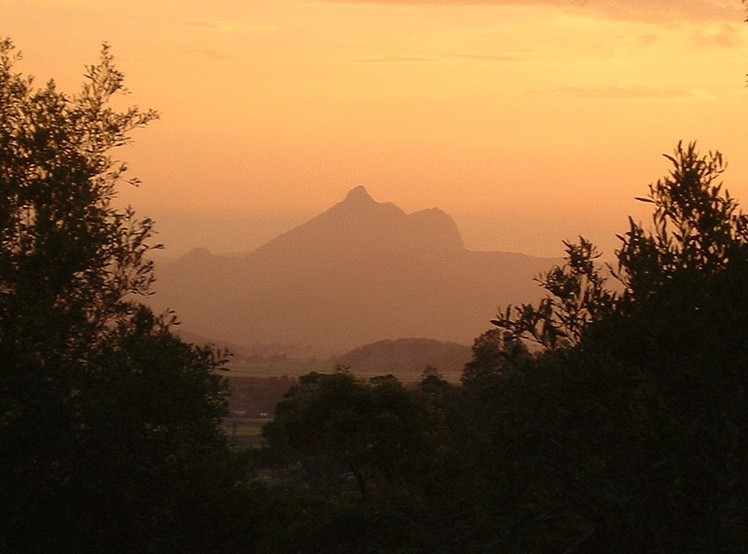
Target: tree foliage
x=376 y=432
x=109 y=423
x=576 y=296
x=358 y=457
x=674 y=340
x=495 y=353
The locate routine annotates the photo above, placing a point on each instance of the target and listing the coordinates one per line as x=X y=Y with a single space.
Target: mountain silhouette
x=360 y=272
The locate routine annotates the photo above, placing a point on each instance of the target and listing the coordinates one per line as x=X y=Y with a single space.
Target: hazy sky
x=528 y=121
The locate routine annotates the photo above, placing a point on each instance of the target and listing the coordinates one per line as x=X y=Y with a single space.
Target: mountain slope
x=360 y=272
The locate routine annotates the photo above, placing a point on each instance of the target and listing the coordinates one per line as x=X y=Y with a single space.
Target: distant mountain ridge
x=360 y=272
x=357 y=228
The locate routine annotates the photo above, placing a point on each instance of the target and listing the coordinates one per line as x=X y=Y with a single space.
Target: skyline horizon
x=246 y=232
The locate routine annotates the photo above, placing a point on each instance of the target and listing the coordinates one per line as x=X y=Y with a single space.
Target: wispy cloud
x=619 y=92
x=640 y=10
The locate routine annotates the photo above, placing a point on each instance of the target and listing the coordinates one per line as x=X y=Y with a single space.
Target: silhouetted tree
x=109 y=424
x=338 y=425
x=494 y=353
x=658 y=461
x=364 y=454
x=576 y=296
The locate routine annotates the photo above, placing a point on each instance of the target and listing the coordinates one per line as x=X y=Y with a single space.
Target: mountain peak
x=358 y=195
x=359 y=206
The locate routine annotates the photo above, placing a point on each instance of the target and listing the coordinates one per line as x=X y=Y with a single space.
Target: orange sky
x=528 y=121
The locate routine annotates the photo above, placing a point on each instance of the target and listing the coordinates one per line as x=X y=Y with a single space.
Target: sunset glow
x=527 y=121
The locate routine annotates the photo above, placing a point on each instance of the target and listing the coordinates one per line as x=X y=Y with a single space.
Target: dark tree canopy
x=376 y=432
x=673 y=339
x=109 y=423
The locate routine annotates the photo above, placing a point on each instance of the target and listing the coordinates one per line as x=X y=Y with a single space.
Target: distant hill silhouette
x=406 y=355
x=360 y=272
